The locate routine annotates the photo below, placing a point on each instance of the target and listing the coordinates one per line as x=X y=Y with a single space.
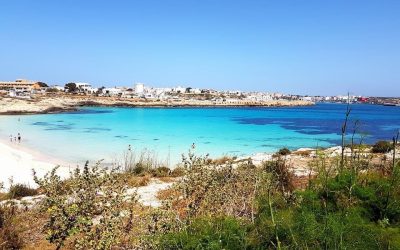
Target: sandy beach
x=17 y=162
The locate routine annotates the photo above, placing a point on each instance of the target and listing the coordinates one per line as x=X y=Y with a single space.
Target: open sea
x=95 y=133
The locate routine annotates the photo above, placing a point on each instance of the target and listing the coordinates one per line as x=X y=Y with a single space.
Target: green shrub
x=177 y=172
x=280 y=174
x=20 y=190
x=382 y=147
x=161 y=172
x=283 y=151
x=207 y=233
x=212 y=189
x=139 y=169
x=89 y=207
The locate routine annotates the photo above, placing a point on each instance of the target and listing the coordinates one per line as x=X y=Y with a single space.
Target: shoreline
x=53 y=105
x=18 y=161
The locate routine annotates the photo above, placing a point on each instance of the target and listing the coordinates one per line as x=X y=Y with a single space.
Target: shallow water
x=96 y=133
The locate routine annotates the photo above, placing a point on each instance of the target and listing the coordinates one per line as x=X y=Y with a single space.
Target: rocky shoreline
x=18 y=106
x=46 y=105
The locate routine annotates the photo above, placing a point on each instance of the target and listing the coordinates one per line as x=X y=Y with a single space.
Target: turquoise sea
x=95 y=133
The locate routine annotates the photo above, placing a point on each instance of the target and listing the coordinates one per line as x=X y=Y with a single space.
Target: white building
x=19 y=85
x=150 y=96
x=83 y=85
x=139 y=88
x=195 y=91
x=128 y=93
x=57 y=87
x=86 y=88
x=179 y=89
x=307 y=98
x=112 y=91
x=160 y=91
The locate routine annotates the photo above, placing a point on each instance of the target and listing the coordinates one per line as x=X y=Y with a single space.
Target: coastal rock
x=24 y=203
x=12 y=106
x=259 y=158
x=389 y=155
x=147 y=196
x=55 y=104
x=304 y=149
x=336 y=151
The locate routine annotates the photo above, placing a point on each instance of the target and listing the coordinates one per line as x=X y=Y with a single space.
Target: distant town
x=26 y=89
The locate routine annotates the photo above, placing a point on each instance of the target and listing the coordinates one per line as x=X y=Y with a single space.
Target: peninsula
x=31 y=97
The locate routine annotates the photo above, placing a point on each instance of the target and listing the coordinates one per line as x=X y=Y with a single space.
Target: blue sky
x=299 y=46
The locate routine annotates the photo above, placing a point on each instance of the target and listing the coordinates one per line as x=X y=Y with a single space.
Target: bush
x=178 y=172
x=89 y=207
x=382 y=147
x=161 y=172
x=207 y=233
x=284 y=151
x=9 y=232
x=139 y=169
x=51 y=90
x=209 y=189
x=280 y=175
x=20 y=190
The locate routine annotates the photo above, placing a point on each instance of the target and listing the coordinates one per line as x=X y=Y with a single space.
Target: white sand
x=147 y=195
x=17 y=163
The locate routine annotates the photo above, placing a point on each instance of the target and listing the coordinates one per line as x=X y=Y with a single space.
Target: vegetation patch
x=18 y=191
x=382 y=147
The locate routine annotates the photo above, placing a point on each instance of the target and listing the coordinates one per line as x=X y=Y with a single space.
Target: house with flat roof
x=19 y=85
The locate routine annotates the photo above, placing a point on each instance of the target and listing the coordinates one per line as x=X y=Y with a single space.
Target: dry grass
x=39 y=245
x=304 y=153
x=178 y=205
x=167 y=179
x=222 y=160
x=31 y=222
x=25 y=227
x=138 y=181
x=167 y=194
x=3 y=196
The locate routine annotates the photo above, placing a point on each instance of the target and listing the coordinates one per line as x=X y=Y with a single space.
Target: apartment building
x=20 y=85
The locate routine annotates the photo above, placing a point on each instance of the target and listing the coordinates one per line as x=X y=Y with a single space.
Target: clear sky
x=300 y=46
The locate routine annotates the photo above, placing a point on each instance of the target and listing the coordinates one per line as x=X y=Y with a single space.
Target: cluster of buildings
x=20 y=87
x=26 y=88
x=337 y=99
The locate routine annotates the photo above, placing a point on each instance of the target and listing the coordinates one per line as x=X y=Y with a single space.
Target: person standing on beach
x=19 y=137
x=11 y=138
